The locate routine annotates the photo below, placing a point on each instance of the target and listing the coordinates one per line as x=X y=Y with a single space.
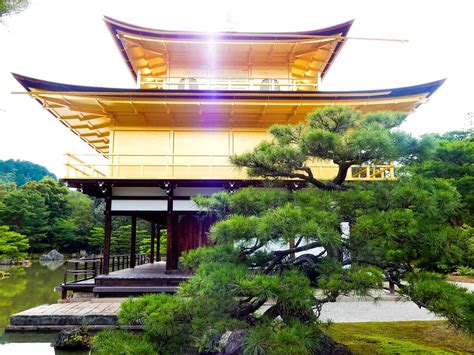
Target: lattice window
x=270 y=85
x=188 y=84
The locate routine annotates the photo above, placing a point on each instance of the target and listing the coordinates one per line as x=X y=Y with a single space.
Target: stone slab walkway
x=53 y=316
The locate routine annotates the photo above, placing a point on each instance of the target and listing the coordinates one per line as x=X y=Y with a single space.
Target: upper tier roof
x=91 y=112
x=149 y=52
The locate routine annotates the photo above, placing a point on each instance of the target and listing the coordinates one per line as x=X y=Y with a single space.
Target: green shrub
x=122 y=343
x=296 y=338
x=165 y=319
x=465 y=271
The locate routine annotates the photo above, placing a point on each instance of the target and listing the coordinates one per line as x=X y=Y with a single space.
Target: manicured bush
x=122 y=343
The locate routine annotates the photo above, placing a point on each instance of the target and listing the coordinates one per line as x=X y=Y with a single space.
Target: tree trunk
x=342 y=173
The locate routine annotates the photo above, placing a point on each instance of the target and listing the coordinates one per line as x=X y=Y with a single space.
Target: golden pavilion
x=199 y=98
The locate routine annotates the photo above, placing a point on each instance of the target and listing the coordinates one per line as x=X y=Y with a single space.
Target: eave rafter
x=92 y=125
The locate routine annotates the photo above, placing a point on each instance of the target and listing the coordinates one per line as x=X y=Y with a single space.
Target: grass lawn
x=401 y=338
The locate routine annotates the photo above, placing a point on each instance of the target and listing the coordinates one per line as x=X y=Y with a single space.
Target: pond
x=26 y=288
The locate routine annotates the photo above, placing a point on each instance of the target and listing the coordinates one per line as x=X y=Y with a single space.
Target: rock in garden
x=232 y=343
x=52 y=255
x=72 y=339
x=327 y=346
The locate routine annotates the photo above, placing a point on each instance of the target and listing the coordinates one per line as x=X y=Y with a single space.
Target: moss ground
x=401 y=338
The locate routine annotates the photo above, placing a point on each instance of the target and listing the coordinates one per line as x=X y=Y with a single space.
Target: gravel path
x=369 y=311
x=387 y=310
x=469 y=286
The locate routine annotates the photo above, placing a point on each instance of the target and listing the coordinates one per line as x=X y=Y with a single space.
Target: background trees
x=26 y=212
x=20 y=172
x=52 y=216
x=452 y=159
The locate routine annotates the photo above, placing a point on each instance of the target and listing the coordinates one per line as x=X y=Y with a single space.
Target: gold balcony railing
x=209 y=83
x=176 y=166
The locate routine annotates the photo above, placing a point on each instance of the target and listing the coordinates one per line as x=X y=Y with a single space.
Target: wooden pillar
x=107 y=232
x=158 y=240
x=133 y=243
x=171 y=262
x=152 y=243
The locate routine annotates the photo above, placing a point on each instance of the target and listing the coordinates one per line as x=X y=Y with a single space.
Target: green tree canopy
x=12 y=245
x=26 y=212
x=54 y=195
x=453 y=159
x=339 y=134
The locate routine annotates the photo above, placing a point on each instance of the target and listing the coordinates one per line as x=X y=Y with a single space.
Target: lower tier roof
x=91 y=112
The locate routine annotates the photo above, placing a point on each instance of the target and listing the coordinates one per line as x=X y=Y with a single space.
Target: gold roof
x=150 y=52
x=91 y=112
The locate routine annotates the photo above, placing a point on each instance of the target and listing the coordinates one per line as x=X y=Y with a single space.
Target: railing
x=246 y=84
x=78 y=270
x=81 y=167
x=218 y=166
x=368 y=172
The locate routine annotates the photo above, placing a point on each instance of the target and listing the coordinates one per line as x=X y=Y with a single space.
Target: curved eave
x=92 y=112
x=31 y=83
x=116 y=26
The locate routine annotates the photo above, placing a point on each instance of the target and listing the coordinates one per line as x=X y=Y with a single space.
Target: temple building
x=199 y=98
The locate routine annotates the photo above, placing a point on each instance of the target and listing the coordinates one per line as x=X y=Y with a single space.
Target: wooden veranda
x=142 y=279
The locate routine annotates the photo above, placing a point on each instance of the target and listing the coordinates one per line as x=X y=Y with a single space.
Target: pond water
x=26 y=288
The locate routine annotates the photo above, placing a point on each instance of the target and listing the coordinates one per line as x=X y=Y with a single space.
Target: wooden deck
x=153 y=271
x=97 y=312
x=146 y=278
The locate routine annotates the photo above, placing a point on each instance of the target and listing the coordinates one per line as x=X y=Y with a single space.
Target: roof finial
x=229 y=22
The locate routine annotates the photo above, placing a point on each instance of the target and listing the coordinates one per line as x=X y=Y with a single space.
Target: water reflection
x=26 y=288
x=52 y=264
x=34 y=343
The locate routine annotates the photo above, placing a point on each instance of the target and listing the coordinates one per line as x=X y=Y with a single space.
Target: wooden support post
x=133 y=243
x=107 y=232
x=152 y=243
x=171 y=263
x=158 y=241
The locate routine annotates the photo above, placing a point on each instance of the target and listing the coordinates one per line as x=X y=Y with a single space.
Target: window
x=270 y=85
x=188 y=84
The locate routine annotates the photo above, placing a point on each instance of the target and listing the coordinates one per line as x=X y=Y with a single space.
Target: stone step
x=134 y=289
x=144 y=282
